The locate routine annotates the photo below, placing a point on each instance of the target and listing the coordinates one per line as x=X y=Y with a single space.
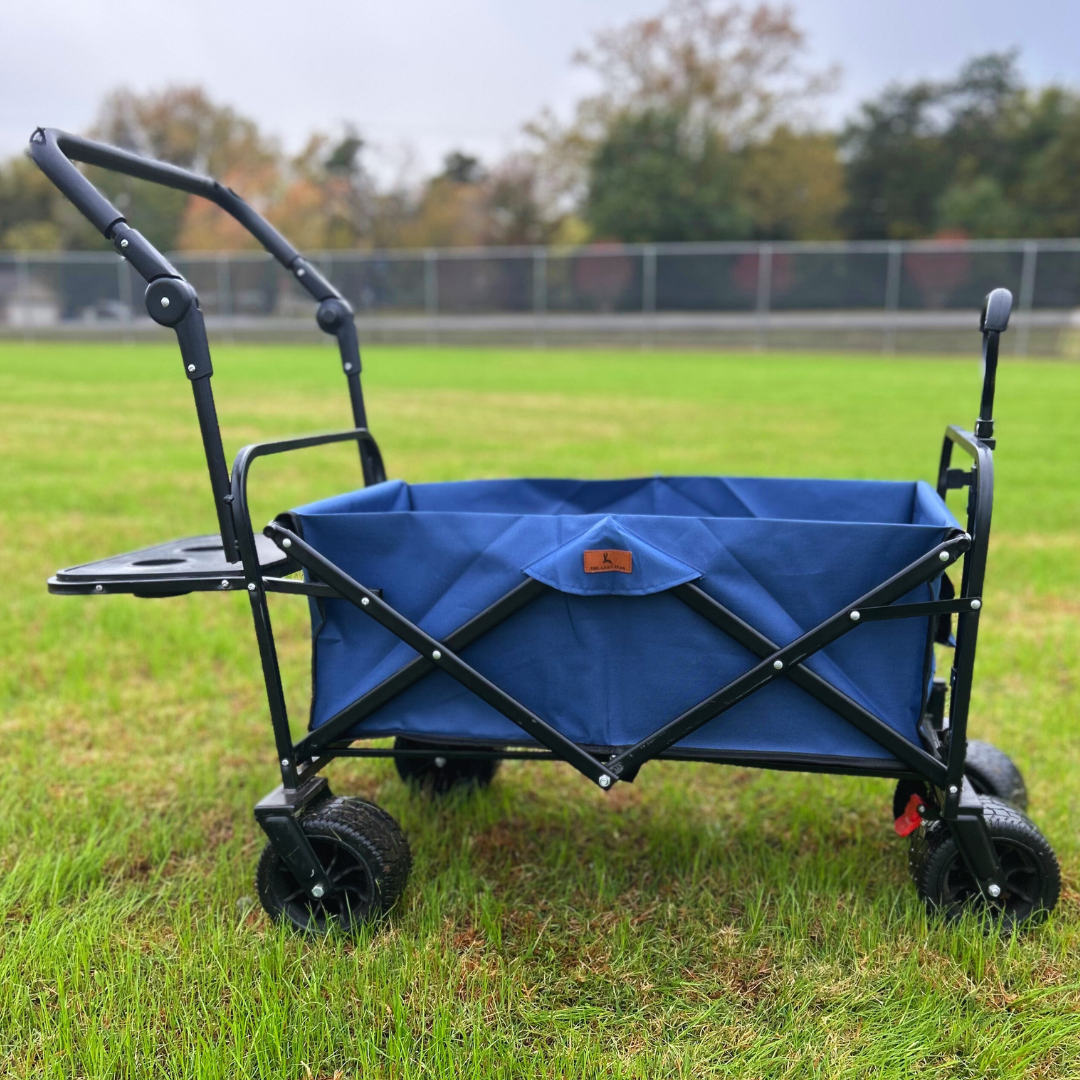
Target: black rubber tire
x=366 y=856
x=454 y=772
x=1032 y=875
x=992 y=772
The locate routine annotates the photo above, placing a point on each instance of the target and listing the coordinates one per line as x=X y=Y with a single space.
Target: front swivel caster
x=366 y=859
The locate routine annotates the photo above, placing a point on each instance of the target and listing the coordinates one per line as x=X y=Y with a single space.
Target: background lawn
x=703 y=921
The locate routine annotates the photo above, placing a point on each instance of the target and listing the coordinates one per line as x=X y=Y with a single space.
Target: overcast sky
x=434 y=75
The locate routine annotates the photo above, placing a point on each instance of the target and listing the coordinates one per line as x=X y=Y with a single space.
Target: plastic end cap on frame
x=996 y=309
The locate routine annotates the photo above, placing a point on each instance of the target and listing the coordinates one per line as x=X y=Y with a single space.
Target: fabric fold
x=610 y=560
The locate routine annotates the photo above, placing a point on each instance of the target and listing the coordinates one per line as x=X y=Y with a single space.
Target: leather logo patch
x=605 y=560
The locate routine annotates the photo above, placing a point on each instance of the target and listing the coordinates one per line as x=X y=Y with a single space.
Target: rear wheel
x=992 y=772
x=1031 y=878
x=439 y=773
x=365 y=855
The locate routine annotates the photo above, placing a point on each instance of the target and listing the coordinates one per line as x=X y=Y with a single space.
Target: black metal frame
x=172 y=302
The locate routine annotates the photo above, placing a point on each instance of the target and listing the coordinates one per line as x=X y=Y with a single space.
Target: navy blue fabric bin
x=607 y=658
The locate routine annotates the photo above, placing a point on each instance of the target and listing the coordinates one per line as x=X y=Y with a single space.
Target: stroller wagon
x=778 y=623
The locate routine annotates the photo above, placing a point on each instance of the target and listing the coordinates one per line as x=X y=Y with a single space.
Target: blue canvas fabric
x=609 y=657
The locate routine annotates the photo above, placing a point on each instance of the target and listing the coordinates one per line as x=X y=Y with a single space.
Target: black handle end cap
x=996 y=309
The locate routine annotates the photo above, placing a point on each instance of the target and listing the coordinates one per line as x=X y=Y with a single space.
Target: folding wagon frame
x=932 y=776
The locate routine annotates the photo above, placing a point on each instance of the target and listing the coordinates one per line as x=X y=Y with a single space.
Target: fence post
x=764 y=294
x=224 y=291
x=539 y=294
x=431 y=293
x=1027 y=295
x=22 y=293
x=648 y=292
x=123 y=292
x=648 y=278
x=892 y=296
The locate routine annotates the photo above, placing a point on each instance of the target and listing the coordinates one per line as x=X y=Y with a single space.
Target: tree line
x=702 y=128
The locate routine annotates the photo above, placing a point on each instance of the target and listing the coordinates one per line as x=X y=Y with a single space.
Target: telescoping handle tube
x=993 y=322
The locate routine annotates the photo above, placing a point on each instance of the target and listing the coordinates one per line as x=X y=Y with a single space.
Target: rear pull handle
x=993 y=322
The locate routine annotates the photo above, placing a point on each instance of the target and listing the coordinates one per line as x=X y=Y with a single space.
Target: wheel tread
x=380 y=832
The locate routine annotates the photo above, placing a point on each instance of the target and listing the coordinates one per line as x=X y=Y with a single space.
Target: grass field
x=704 y=921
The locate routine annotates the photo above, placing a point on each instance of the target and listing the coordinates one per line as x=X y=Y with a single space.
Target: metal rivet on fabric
x=286 y=542
x=944 y=556
x=976 y=604
x=436 y=655
x=855 y=616
x=604 y=781
x=164 y=301
x=778 y=664
x=364 y=601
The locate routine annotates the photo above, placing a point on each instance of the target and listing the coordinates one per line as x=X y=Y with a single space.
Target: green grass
x=704 y=921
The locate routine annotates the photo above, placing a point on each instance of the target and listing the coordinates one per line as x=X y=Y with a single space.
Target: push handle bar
x=55 y=153
x=993 y=322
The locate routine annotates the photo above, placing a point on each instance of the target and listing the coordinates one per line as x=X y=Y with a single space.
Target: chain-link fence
x=889 y=295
